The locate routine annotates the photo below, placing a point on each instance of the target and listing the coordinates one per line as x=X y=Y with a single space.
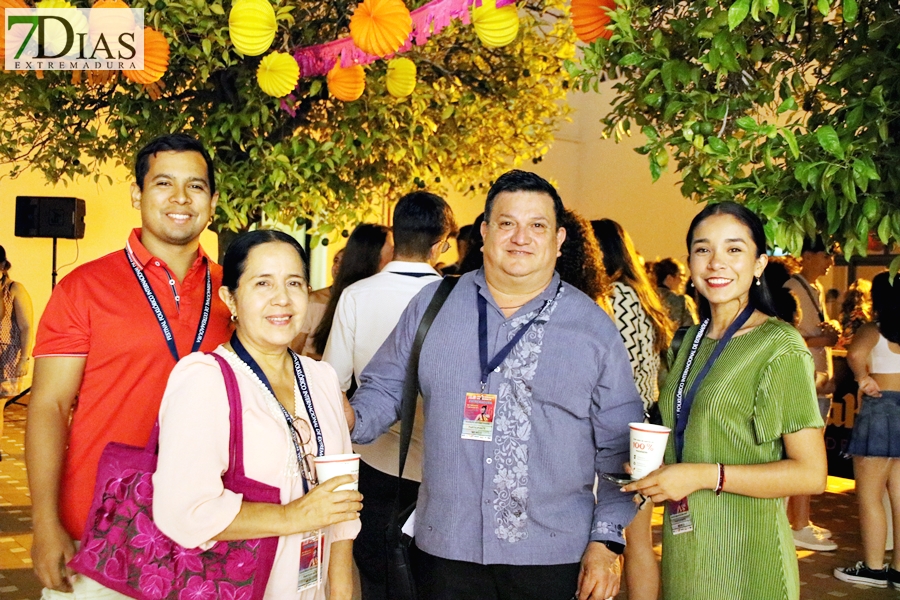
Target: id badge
x=478 y=417
x=310 y=575
x=680 y=517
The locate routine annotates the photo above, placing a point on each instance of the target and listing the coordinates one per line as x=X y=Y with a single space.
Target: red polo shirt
x=99 y=311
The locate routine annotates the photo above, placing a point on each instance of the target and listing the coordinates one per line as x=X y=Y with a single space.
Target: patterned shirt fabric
x=99 y=312
x=812 y=304
x=759 y=389
x=10 y=340
x=637 y=333
x=565 y=396
x=681 y=308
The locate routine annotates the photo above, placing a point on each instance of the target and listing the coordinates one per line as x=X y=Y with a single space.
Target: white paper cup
x=648 y=448
x=334 y=465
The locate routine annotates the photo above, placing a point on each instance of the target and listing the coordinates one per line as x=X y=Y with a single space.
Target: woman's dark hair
x=667 y=267
x=885 y=300
x=239 y=249
x=621 y=262
x=776 y=274
x=760 y=296
x=474 y=258
x=362 y=257
x=581 y=260
x=172 y=142
x=5 y=265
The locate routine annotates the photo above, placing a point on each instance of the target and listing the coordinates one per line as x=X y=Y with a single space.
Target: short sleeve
x=786 y=399
x=64 y=329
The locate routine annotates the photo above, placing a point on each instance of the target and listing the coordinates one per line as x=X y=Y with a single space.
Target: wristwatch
x=614 y=547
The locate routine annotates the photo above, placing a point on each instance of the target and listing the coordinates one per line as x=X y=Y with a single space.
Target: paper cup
x=648 y=447
x=334 y=465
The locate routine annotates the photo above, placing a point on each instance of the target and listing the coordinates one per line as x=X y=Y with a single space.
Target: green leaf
x=870 y=208
x=717 y=145
x=884 y=229
x=895 y=266
x=217 y=9
x=737 y=13
x=629 y=60
x=747 y=124
x=824 y=7
x=851 y=10
x=829 y=141
x=791 y=140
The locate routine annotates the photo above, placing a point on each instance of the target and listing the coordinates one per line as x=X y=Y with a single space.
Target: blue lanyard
x=160 y=315
x=304 y=392
x=486 y=365
x=684 y=402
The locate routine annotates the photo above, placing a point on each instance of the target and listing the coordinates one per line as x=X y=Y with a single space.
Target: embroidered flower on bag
x=156 y=581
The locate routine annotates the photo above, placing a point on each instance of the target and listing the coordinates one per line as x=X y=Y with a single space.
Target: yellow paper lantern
x=277 y=74
x=496 y=27
x=156 y=59
x=380 y=27
x=252 y=26
x=54 y=32
x=401 y=77
x=589 y=19
x=346 y=84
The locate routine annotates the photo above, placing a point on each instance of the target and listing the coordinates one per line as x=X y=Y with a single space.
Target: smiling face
x=271 y=298
x=723 y=260
x=521 y=241
x=175 y=202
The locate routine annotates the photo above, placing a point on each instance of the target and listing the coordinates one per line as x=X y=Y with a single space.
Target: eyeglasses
x=302 y=436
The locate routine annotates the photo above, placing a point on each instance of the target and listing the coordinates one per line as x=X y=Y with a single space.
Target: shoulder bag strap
x=411 y=384
x=236 y=439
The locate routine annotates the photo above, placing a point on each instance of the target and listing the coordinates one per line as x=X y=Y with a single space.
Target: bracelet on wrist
x=720 y=480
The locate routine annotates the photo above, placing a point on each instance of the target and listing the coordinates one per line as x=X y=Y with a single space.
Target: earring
x=234 y=318
x=758 y=282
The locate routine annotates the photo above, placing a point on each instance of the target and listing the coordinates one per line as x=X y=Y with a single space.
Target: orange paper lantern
x=4 y=4
x=589 y=18
x=346 y=84
x=156 y=59
x=380 y=27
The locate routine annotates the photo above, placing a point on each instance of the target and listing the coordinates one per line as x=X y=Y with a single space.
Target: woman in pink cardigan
x=291 y=413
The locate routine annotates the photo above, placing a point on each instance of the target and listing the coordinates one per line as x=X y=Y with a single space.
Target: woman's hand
x=323 y=506
x=674 y=482
x=869 y=387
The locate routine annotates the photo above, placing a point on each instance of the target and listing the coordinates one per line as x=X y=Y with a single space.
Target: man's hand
x=600 y=573
x=51 y=550
x=349 y=413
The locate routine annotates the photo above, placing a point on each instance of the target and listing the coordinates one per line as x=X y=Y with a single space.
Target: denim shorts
x=876 y=431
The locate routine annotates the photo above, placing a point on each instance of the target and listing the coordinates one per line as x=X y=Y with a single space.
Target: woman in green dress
x=746 y=430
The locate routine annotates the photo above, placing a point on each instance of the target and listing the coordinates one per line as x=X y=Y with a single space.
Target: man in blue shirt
x=506 y=508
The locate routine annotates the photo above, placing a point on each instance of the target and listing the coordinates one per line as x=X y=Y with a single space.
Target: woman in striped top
x=750 y=427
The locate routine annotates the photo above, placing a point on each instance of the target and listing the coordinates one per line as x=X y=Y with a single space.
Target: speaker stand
x=53 y=276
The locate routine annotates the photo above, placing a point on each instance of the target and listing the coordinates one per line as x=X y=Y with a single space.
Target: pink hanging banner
x=428 y=20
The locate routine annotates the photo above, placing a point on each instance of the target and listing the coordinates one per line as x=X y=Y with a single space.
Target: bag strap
x=411 y=384
x=236 y=439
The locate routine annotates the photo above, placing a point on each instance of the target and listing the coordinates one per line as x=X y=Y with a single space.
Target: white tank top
x=883 y=360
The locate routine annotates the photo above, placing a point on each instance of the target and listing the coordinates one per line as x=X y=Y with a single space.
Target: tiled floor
x=836 y=509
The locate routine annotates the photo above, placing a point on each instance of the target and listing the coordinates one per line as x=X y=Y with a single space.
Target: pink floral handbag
x=124 y=550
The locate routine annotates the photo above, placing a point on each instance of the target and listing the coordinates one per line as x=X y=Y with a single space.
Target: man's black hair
x=523 y=181
x=172 y=142
x=421 y=219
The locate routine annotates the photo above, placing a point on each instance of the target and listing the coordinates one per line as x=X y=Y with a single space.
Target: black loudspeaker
x=49 y=217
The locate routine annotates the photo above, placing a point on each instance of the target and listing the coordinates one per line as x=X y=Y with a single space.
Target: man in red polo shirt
x=100 y=341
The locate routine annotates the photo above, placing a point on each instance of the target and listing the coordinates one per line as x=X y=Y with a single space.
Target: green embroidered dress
x=760 y=388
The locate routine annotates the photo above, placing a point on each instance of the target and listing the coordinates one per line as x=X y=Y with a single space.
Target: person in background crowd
x=746 y=431
x=670 y=278
x=291 y=411
x=787 y=306
x=874 y=358
x=315 y=310
x=366 y=314
x=369 y=248
x=100 y=341
x=462 y=248
x=16 y=337
x=581 y=262
x=856 y=310
x=513 y=514
x=832 y=301
x=646 y=330
x=474 y=258
x=821 y=334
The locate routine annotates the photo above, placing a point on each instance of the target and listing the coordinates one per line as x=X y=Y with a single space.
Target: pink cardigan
x=190 y=504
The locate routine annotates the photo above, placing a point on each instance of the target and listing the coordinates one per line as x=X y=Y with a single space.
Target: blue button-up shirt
x=565 y=396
